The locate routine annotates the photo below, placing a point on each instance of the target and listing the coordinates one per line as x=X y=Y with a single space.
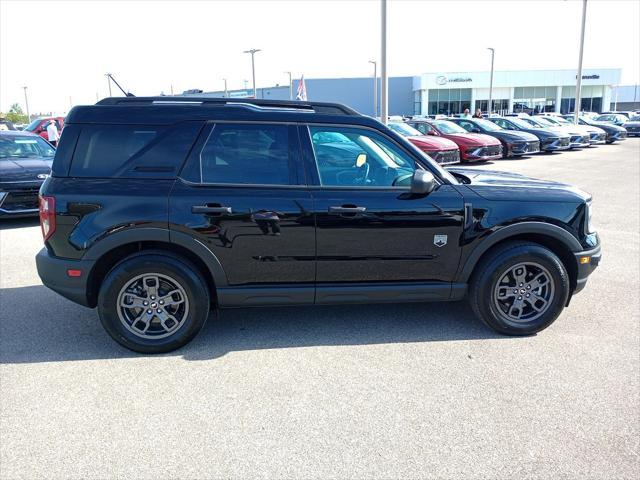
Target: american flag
x=301 y=94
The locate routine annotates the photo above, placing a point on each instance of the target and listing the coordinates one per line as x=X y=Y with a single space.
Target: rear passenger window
x=132 y=151
x=247 y=154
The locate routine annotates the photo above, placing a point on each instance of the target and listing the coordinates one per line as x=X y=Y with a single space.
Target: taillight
x=47 y=216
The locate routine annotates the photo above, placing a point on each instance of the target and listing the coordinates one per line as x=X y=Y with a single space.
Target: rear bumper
x=53 y=273
x=585 y=269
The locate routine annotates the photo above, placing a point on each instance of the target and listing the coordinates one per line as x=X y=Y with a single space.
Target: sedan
x=474 y=147
x=596 y=134
x=443 y=151
x=614 y=132
x=513 y=143
x=613 y=118
x=550 y=141
x=25 y=162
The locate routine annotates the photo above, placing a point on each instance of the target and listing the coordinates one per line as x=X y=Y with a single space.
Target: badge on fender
x=439 y=240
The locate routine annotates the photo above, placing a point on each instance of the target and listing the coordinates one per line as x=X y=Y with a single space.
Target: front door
x=241 y=195
x=370 y=228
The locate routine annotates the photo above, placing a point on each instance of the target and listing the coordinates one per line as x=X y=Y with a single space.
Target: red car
x=474 y=147
x=443 y=151
x=39 y=126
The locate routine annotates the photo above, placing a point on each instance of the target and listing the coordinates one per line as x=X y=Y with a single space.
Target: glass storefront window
x=449 y=101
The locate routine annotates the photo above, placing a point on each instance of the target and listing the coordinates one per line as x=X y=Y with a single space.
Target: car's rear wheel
x=153 y=303
x=520 y=288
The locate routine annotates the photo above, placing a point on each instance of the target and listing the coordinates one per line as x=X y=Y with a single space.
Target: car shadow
x=24 y=222
x=37 y=325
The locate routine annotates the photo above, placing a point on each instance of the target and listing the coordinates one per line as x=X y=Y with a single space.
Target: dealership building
x=452 y=92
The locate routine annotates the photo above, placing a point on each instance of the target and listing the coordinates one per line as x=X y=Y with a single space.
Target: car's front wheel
x=153 y=303
x=520 y=288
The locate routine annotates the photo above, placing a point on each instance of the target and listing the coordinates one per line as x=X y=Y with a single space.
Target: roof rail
x=317 y=107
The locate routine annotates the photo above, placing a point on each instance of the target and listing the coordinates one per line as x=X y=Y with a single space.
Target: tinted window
x=247 y=154
x=423 y=128
x=360 y=158
x=24 y=146
x=130 y=151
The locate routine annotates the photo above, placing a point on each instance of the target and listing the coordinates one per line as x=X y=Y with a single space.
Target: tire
x=175 y=318
x=499 y=293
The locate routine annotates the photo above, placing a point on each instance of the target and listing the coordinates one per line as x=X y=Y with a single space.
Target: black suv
x=159 y=210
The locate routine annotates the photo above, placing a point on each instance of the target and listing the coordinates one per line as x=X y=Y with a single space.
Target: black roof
x=171 y=109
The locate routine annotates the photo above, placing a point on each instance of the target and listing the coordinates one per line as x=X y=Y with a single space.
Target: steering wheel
x=364 y=170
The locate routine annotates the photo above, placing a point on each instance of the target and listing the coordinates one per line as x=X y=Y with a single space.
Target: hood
x=17 y=169
x=472 y=139
x=514 y=136
x=546 y=132
x=609 y=127
x=632 y=123
x=496 y=185
x=431 y=142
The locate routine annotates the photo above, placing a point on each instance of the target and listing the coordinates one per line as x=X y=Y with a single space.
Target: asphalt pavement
x=376 y=391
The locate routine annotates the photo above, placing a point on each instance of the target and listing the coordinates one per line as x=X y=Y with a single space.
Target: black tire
x=168 y=270
x=489 y=307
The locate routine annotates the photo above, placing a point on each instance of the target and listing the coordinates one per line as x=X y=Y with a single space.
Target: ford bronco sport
x=159 y=210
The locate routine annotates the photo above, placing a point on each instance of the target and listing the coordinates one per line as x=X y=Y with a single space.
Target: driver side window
x=348 y=156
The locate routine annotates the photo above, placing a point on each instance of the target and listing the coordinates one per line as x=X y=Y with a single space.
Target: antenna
x=126 y=94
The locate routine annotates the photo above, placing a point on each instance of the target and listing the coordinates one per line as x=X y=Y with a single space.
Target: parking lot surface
x=385 y=391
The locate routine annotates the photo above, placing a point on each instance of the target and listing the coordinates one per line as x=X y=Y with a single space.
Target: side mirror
x=422 y=182
x=432 y=132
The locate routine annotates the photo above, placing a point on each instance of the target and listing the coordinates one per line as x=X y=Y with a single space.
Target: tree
x=16 y=115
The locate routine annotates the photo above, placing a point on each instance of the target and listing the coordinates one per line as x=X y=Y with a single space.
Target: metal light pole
x=108 y=75
x=375 y=87
x=26 y=104
x=383 y=62
x=253 y=51
x=490 y=106
x=579 y=76
x=290 y=86
x=226 y=92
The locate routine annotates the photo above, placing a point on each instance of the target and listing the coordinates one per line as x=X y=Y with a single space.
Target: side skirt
x=339 y=293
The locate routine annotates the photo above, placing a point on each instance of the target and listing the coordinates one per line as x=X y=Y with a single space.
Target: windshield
x=445 y=126
x=521 y=123
x=546 y=121
x=560 y=121
x=32 y=126
x=24 y=147
x=487 y=125
x=404 y=129
x=535 y=123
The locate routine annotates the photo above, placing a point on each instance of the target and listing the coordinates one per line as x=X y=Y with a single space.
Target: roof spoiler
x=316 y=107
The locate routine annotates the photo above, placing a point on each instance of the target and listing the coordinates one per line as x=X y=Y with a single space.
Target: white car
x=596 y=134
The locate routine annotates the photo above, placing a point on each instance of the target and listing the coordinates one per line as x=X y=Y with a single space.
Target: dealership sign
x=442 y=80
x=590 y=77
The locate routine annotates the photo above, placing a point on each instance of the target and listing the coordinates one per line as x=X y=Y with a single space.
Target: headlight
x=589 y=222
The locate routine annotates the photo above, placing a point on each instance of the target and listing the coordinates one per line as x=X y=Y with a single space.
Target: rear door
x=241 y=194
x=370 y=228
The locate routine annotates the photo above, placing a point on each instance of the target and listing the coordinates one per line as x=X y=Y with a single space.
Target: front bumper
x=616 y=136
x=478 y=154
x=580 y=141
x=586 y=267
x=633 y=131
x=556 y=144
x=53 y=273
x=595 y=138
x=445 y=157
x=19 y=199
x=523 y=148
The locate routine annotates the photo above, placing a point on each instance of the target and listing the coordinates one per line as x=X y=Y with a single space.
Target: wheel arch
x=556 y=239
x=110 y=253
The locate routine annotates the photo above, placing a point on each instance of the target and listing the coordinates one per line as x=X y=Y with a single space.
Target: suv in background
x=39 y=126
x=159 y=211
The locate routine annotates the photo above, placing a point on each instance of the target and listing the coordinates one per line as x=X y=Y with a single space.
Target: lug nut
x=161 y=302
x=145 y=303
x=159 y=311
x=519 y=298
x=149 y=312
x=153 y=297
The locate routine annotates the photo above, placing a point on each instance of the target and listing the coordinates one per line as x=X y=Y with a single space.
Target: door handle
x=207 y=209
x=347 y=209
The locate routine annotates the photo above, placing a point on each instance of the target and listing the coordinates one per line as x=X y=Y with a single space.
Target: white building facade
x=531 y=91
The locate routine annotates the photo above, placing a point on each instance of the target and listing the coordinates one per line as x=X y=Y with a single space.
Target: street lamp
x=491 y=84
x=253 y=51
x=26 y=104
x=579 y=76
x=375 y=87
x=226 y=92
x=290 y=86
x=383 y=62
x=108 y=75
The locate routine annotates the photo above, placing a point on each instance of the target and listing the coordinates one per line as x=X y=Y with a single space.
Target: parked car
x=474 y=147
x=550 y=140
x=580 y=137
x=6 y=124
x=513 y=143
x=442 y=150
x=626 y=113
x=613 y=118
x=39 y=126
x=633 y=126
x=614 y=132
x=25 y=161
x=596 y=134
x=157 y=213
